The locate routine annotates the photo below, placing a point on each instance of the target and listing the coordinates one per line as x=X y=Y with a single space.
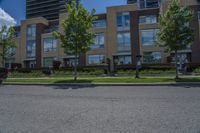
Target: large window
x=198 y=15
x=99 y=23
x=96 y=59
x=123 y=20
x=48 y=62
x=151 y=19
x=50 y=44
x=31 y=32
x=10 y=52
x=71 y=62
x=149 y=36
x=152 y=57
x=124 y=41
x=99 y=41
x=31 y=43
x=31 y=49
x=123 y=59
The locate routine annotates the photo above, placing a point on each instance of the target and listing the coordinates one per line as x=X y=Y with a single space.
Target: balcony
x=144 y=4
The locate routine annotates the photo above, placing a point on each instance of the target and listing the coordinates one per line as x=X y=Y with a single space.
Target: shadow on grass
x=192 y=80
x=73 y=81
x=73 y=85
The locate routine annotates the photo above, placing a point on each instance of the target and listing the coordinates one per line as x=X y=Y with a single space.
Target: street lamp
x=138 y=65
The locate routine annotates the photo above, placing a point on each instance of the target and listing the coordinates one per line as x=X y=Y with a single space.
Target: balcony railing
x=143 y=4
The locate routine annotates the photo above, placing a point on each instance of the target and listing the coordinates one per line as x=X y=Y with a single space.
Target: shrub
x=197 y=70
x=24 y=70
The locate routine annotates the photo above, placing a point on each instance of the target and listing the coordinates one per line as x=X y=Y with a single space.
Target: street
x=61 y=109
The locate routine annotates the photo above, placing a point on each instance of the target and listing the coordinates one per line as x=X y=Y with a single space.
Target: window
x=50 y=44
x=148 y=19
x=124 y=41
x=96 y=59
x=8 y=62
x=31 y=49
x=152 y=57
x=99 y=23
x=198 y=15
x=10 y=52
x=31 y=32
x=99 y=41
x=48 y=62
x=124 y=60
x=149 y=37
x=123 y=20
x=71 y=62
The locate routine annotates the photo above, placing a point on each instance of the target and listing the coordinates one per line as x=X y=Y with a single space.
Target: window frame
x=101 y=60
x=52 y=45
x=144 y=42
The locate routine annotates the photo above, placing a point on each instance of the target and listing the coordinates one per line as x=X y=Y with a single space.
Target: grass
x=104 y=80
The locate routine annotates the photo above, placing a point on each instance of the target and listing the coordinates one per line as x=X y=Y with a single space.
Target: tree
x=7 y=41
x=76 y=37
x=175 y=33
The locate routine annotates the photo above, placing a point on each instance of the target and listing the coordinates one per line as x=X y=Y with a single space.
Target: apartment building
x=122 y=33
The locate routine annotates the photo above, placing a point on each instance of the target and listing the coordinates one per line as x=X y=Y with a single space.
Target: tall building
x=131 y=1
x=48 y=9
x=122 y=33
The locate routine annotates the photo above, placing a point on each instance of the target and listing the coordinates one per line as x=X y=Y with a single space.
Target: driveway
x=61 y=109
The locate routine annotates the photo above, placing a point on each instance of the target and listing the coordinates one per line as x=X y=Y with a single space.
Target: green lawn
x=104 y=80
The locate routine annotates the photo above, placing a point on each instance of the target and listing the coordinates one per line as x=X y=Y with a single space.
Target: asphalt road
x=59 y=109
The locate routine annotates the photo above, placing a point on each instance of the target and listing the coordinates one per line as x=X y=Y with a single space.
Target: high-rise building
x=131 y=1
x=48 y=9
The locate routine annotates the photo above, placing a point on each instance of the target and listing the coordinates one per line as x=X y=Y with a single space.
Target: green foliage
x=197 y=70
x=7 y=40
x=175 y=33
x=147 y=72
x=76 y=37
x=38 y=73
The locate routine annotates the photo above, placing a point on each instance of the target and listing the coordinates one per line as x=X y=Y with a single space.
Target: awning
x=123 y=53
x=30 y=59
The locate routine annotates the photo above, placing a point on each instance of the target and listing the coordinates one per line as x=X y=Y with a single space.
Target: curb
x=107 y=84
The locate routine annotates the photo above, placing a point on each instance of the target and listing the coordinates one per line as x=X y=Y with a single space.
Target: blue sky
x=16 y=8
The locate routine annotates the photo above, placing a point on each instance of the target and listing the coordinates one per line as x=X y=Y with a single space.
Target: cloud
x=6 y=19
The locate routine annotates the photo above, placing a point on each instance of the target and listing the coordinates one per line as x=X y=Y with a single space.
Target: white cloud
x=6 y=19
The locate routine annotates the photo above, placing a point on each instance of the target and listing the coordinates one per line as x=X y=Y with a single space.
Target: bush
x=149 y=72
x=24 y=70
x=197 y=70
x=56 y=64
x=47 y=72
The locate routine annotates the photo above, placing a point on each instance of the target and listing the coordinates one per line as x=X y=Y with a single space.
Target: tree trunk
x=75 y=65
x=176 y=64
x=3 y=57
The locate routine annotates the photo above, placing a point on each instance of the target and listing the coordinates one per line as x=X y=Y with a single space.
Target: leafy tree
x=76 y=37
x=7 y=41
x=175 y=33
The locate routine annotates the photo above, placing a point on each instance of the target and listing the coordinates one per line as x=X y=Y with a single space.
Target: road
x=60 y=109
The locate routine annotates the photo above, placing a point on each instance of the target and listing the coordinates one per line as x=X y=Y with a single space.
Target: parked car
x=3 y=74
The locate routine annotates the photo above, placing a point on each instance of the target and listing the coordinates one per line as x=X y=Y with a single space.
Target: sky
x=16 y=8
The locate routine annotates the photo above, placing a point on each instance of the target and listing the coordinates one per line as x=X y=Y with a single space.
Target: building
x=122 y=33
x=49 y=9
